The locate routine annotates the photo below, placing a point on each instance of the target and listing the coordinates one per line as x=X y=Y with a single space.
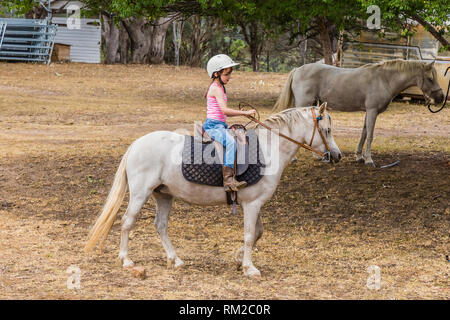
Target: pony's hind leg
x=134 y=206
x=371 y=118
x=163 y=206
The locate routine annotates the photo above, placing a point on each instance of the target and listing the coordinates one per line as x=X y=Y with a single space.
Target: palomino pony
x=368 y=88
x=152 y=167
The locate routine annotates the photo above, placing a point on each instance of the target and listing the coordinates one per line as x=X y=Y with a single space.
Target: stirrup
x=235 y=187
x=228 y=189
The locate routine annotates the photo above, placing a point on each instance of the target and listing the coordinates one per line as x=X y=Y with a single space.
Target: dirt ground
x=64 y=128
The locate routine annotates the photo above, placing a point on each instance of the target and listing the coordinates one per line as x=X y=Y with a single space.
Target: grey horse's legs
x=163 y=206
x=359 y=156
x=304 y=100
x=238 y=256
x=370 y=121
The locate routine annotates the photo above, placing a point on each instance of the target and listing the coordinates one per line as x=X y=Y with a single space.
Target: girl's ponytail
x=213 y=79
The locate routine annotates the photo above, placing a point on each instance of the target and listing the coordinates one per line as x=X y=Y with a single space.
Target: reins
x=446 y=96
x=307 y=147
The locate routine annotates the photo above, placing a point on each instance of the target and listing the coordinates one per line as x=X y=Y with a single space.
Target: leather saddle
x=202 y=157
x=238 y=132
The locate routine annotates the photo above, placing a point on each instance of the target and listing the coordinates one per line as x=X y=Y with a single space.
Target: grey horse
x=368 y=88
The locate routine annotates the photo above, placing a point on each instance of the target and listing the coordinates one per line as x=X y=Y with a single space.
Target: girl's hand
x=249 y=112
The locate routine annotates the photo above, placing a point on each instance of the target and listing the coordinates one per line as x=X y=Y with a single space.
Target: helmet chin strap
x=221 y=82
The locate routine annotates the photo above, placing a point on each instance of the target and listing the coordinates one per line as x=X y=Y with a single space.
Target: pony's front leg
x=359 y=156
x=370 y=119
x=251 y=213
x=239 y=255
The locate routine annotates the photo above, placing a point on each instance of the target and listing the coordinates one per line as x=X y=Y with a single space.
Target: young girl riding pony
x=219 y=70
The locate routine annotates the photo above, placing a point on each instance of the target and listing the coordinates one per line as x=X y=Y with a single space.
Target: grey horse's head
x=326 y=129
x=429 y=85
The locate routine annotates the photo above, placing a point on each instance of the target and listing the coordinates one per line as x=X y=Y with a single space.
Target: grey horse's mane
x=398 y=65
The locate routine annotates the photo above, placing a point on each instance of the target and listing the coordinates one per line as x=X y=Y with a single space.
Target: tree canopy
x=261 y=26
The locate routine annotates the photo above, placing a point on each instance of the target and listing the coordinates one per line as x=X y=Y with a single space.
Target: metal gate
x=2 y=32
x=27 y=40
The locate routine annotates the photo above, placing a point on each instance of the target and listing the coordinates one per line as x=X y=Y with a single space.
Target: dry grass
x=64 y=128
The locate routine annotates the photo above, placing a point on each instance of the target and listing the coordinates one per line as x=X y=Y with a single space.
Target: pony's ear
x=431 y=64
x=323 y=107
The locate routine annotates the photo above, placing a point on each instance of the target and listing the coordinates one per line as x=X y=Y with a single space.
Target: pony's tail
x=285 y=99
x=104 y=222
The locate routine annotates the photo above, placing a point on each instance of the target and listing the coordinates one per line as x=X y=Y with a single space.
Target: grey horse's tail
x=105 y=221
x=285 y=99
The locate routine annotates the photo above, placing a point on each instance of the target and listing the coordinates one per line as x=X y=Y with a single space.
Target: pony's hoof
x=127 y=263
x=174 y=263
x=359 y=159
x=252 y=273
x=238 y=264
x=238 y=256
x=178 y=263
x=369 y=163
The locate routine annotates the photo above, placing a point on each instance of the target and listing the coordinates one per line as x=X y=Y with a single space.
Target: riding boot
x=229 y=182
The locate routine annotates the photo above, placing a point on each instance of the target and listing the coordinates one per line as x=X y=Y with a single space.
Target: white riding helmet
x=219 y=62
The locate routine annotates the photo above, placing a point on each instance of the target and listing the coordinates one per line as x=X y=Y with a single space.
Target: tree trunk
x=255 y=39
x=254 y=59
x=303 y=47
x=202 y=30
x=111 y=36
x=124 y=48
x=324 y=37
x=159 y=31
x=38 y=12
x=140 y=34
x=177 y=33
x=195 y=54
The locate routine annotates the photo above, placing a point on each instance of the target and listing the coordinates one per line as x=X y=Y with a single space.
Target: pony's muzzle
x=332 y=157
x=440 y=97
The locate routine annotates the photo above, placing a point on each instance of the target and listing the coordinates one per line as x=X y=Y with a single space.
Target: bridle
x=316 y=125
x=326 y=157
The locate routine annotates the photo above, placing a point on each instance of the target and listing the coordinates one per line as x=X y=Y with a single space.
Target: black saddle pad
x=201 y=163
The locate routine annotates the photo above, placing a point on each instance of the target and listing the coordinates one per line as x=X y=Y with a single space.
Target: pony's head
x=322 y=133
x=429 y=85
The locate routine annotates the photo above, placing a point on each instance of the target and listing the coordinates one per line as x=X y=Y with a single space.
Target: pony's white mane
x=286 y=117
x=290 y=117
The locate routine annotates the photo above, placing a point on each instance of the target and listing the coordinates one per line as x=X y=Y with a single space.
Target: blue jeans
x=217 y=130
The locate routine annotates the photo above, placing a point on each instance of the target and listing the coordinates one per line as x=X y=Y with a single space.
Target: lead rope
x=446 y=96
x=243 y=104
